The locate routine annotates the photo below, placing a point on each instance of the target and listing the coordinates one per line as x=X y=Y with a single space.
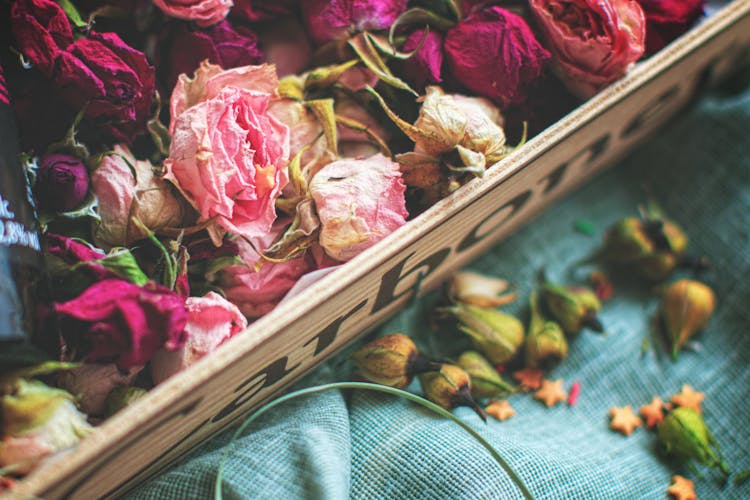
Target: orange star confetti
x=529 y=378
x=501 y=410
x=551 y=392
x=653 y=412
x=689 y=398
x=682 y=489
x=623 y=420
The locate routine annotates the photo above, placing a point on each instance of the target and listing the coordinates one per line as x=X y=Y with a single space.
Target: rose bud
x=668 y=19
x=573 y=308
x=212 y=320
x=424 y=67
x=474 y=289
x=494 y=53
x=593 y=42
x=545 y=343
x=37 y=421
x=117 y=321
x=91 y=383
x=495 y=334
x=359 y=202
x=392 y=360
x=62 y=182
x=686 y=307
x=201 y=12
x=120 y=397
x=485 y=381
x=448 y=388
x=127 y=188
x=684 y=435
x=338 y=19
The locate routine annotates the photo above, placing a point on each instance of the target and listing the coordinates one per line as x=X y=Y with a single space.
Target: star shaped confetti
x=529 y=378
x=682 y=489
x=551 y=392
x=653 y=412
x=623 y=420
x=501 y=410
x=689 y=398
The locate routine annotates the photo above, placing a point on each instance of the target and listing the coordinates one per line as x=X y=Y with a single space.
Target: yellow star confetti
x=689 y=398
x=501 y=410
x=623 y=420
x=551 y=392
x=682 y=489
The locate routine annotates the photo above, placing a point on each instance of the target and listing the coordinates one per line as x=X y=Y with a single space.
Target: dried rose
x=37 y=421
x=594 y=42
x=494 y=53
x=424 y=67
x=212 y=320
x=261 y=10
x=358 y=202
x=337 y=19
x=62 y=182
x=92 y=383
x=201 y=12
x=185 y=47
x=127 y=188
x=117 y=321
x=99 y=73
x=668 y=19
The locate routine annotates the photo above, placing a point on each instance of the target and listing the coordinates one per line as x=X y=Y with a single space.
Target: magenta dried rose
x=201 y=12
x=262 y=10
x=337 y=19
x=117 y=321
x=668 y=19
x=62 y=182
x=494 y=53
x=99 y=73
x=4 y=96
x=359 y=202
x=424 y=67
x=594 y=42
x=223 y=44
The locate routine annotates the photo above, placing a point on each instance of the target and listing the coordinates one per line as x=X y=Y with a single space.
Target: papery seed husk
x=686 y=307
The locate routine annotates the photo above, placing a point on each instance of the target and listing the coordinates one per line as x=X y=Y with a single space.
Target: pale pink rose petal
x=201 y=12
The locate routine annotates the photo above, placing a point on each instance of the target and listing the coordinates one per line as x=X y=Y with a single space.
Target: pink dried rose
x=212 y=320
x=668 y=19
x=186 y=46
x=228 y=155
x=128 y=188
x=201 y=12
x=99 y=73
x=92 y=383
x=62 y=182
x=117 y=321
x=337 y=19
x=594 y=42
x=304 y=128
x=424 y=67
x=359 y=202
x=494 y=53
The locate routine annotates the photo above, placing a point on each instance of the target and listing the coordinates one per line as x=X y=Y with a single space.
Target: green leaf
x=326 y=76
x=72 y=13
x=368 y=54
x=122 y=262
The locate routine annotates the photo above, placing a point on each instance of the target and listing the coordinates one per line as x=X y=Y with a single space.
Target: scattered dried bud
x=485 y=380
x=545 y=343
x=392 y=360
x=686 y=307
x=684 y=434
x=495 y=334
x=120 y=397
x=474 y=289
x=572 y=307
x=448 y=388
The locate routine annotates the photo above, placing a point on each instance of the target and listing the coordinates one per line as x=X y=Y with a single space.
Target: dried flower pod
x=572 y=307
x=474 y=289
x=684 y=434
x=485 y=381
x=686 y=307
x=392 y=360
x=545 y=343
x=495 y=334
x=449 y=387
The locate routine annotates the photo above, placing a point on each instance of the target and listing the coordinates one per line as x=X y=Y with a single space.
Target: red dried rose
x=593 y=41
x=668 y=19
x=337 y=19
x=117 y=321
x=494 y=53
x=254 y=11
x=423 y=68
x=62 y=182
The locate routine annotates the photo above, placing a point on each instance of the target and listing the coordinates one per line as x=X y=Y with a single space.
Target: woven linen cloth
x=369 y=445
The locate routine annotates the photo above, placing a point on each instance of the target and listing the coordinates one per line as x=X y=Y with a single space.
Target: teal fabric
x=365 y=445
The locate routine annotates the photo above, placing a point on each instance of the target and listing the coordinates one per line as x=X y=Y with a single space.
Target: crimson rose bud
x=337 y=19
x=494 y=53
x=62 y=182
x=423 y=68
x=668 y=19
x=41 y=30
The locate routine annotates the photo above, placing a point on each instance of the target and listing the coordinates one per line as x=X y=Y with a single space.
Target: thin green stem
x=378 y=388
